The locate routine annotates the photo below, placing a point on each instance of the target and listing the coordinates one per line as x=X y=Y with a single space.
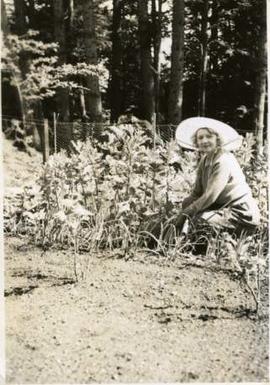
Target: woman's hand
x=188 y=200
x=177 y=220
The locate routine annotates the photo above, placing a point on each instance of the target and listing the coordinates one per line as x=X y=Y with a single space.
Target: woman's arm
x=216 y=183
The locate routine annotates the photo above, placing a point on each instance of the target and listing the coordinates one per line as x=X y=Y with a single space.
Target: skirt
x=242 y=217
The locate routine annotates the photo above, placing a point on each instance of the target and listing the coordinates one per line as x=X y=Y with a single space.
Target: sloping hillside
x=19 y=167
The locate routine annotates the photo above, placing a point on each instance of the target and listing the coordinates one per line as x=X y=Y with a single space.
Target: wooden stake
x=46 y=148
x=54 y=134
x=155 y=128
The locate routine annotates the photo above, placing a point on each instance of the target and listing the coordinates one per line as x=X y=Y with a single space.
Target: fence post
x=155 y=128
x=54 y=134
x=46 y=148
x=259 y=141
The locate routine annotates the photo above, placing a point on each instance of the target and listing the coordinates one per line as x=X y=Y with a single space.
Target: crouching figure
x=221 y=198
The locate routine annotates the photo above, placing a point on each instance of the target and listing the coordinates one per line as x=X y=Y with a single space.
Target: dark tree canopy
x=110 y=59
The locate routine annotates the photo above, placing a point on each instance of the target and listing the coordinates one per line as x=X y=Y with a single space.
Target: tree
x=131 y=60
x=92 y=94
x=116 y=82
x=64 y=131
x=145 y=39
x=204 y=58
x=156 y=22
x=261 y=77
x=11 y=78
x=20 y=20
x=59 y=13
x=214 y=19
x=177 y=63
x=4 y=20
x=216 y=65
x=21 y=28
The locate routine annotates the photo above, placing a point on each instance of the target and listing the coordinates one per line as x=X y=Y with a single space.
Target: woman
x=221 y=196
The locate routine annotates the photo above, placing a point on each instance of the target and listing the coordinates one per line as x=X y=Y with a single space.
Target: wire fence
x=50 y=136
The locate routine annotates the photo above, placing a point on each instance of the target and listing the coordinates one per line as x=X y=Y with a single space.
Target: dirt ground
x=146 y=319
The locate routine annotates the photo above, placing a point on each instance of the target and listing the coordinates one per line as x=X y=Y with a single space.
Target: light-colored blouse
x=220 y=182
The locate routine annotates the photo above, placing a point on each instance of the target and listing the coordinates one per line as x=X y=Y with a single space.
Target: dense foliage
x=107 y=197
x=227 y=35
x=118 y=185
x=107 y=193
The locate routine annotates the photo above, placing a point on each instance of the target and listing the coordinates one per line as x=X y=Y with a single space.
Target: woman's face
x=206 y=140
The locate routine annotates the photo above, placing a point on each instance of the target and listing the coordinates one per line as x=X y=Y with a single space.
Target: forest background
x=161 y=61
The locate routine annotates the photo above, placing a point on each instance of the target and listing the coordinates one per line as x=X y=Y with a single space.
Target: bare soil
x=143 y=319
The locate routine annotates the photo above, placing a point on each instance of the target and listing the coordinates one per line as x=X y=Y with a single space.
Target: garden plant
x=105 y=196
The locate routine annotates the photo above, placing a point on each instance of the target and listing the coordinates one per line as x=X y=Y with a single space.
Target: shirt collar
x=209 y=158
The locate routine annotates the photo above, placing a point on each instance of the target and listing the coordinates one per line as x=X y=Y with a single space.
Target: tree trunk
x=177 y=63
x=204 y=60
x=116 y=83
x=64 y=132
x=214 y=35
x=71 y=12
x=145 y=35
x=4 y=20
x=92 y=95
x=21 y=29
x=20 y=20
x=33 y=110
x=156 y=20
x=260 y=90
x=13 y=90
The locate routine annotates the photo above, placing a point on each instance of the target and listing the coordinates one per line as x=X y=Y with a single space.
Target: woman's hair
x=211 y=131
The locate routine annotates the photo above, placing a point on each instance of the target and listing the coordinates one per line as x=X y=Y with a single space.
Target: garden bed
x=149 y=318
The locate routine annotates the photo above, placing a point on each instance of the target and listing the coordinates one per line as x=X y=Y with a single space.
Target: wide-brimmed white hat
x=186 y=130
